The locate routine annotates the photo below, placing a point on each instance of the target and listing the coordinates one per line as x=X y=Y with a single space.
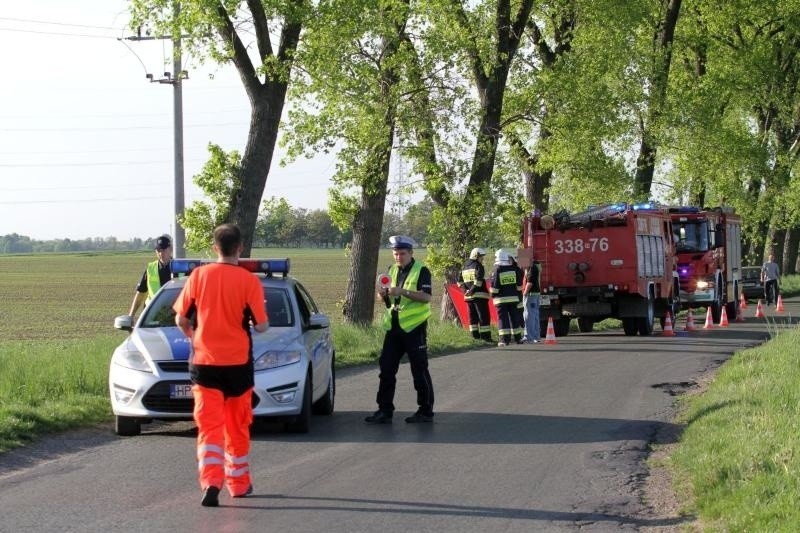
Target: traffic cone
x=709 y=320
x=550 y=338
x=742 y=301
x=739 y=316
x=668 y=332
x=779 y=305
x=759 y=310
x=690 y=321
x=723 y=318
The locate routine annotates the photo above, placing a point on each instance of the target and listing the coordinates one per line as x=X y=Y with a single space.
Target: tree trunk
x=256 y=161
x=447 y=311
x=646 y=160
x=790 y=243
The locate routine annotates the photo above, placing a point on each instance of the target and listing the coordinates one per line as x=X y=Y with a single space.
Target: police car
x=294 y=358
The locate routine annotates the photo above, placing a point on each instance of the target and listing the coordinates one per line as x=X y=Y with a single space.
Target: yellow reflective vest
x=410 y=313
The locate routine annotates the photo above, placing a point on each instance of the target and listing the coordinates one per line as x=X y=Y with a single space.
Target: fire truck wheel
x=645 y=323
x=630 y=327
x=585 y=325
x=733 y=306
x=562 y=327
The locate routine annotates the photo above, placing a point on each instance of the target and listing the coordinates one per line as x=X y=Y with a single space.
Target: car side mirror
x=318 y=321
x=124 y=322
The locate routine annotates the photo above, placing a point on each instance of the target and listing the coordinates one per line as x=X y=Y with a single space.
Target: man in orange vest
x=215 y=310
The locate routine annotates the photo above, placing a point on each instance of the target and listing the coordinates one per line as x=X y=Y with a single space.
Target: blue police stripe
x=179 y=345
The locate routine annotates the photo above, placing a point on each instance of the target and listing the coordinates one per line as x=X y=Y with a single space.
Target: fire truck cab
x=609 y=261
x=709 y=247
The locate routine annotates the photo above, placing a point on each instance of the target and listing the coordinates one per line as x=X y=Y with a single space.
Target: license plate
x=179 y=391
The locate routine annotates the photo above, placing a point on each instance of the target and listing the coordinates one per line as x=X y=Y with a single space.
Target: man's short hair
x=227 y=237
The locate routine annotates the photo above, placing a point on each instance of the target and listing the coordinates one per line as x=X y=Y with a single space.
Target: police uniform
x=405 y=321
x=506 y=293
x=472 y=280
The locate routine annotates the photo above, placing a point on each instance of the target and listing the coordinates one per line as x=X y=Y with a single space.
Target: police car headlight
x=132 y=359
x=276 y=358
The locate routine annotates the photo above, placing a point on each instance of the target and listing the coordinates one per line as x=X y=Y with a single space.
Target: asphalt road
x=526 y=438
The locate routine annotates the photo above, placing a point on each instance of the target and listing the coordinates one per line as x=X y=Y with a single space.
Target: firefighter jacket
x=472 y=280
x=410 y=313
x=506 y=285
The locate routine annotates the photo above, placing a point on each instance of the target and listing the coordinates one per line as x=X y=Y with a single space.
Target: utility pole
x=175 y=78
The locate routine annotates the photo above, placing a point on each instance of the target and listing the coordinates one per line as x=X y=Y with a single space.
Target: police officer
x=472 y=280
x=156 y=274
x=506 y=294
x=405 y=321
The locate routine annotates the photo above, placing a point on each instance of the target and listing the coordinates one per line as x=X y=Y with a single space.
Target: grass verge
x=740 y=453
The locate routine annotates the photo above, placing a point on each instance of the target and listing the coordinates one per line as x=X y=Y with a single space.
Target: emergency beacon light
x=263 y=266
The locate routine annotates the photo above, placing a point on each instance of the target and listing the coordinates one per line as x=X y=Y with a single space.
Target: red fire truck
x=709 y=246
x=611 y=261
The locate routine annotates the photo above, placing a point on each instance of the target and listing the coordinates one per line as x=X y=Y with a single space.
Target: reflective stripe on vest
x=410 y=314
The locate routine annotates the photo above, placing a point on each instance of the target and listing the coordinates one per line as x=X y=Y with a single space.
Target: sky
x=86 y=141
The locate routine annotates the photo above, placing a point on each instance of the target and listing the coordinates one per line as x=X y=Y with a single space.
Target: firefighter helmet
x=477 y=252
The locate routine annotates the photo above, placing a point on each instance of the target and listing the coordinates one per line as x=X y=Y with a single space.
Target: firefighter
x=506 y=293
x=156 y=274
x=472 y=280
x=215 y=310
x=519 y=317
x=408 y=306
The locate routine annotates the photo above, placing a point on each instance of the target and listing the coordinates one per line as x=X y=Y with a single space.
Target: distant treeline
x=280 y=226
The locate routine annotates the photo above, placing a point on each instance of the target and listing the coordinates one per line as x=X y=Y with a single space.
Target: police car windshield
x=159 y=313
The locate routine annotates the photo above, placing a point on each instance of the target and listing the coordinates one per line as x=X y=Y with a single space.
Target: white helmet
x=477 y=252
x=501 y=256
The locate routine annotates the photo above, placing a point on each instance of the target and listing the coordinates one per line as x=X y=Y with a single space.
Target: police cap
x=163 y=242
x=401 y=242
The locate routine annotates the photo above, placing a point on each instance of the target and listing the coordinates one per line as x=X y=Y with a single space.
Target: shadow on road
x=471 y=428
x=303 y=504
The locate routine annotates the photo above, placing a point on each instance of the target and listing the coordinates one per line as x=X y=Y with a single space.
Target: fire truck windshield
x=691 y=236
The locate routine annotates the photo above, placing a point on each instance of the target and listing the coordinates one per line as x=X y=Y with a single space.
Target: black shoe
x=210 y=497
x=379 y=417
x=246 y=493
x=420 y=418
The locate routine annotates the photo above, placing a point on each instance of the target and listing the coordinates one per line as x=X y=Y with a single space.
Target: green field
x=76 y=296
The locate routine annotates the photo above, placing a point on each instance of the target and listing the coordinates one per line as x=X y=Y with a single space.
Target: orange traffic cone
x=742 y=301
x=690 y=321
x=739 y=316
x=779 y=305
x=759 y=310
x=723 y=318
x=709 y=320
x=550 y=338
x=668 y=332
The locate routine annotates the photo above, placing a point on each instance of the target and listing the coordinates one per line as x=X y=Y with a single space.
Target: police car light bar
x=264 y=266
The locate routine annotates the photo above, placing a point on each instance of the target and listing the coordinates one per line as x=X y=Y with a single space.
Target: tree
x=352 y=58
x=219 y=31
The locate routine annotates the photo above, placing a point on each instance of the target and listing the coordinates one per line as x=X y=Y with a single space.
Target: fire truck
x=609 y=261
x=709 y=247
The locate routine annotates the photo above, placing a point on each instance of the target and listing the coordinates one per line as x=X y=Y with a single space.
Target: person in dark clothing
x=472 y=280
x=530 y=294
x=405 y=320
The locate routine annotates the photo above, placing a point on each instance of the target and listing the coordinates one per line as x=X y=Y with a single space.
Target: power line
x=59 y=33
x=13 y=19
x=122 y=128
x=96 y=164
x=82 y=200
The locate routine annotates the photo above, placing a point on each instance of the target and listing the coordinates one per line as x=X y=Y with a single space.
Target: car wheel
x=302 y=422
x=127 y=426
x=324 y=406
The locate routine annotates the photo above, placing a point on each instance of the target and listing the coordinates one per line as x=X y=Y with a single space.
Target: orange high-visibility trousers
x=223 y=439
